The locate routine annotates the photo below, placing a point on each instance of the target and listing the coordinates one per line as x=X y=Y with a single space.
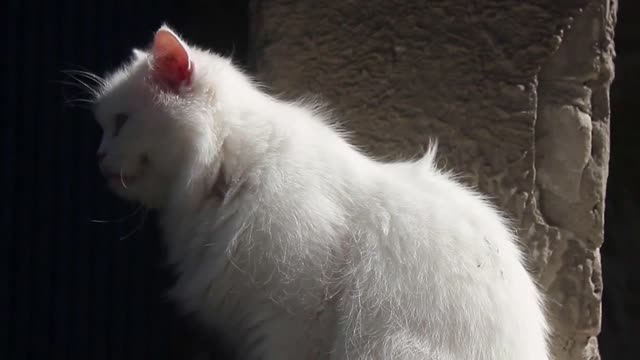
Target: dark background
x=71 y=288
x=620 y=335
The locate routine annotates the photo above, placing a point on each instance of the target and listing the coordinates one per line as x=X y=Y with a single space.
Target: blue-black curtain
x=71 y=288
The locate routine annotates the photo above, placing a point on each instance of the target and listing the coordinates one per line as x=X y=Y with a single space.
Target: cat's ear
x=171 y=64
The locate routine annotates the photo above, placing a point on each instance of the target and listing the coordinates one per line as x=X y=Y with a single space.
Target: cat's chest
x=258 y=325
x=222 y=290
x=246 y=296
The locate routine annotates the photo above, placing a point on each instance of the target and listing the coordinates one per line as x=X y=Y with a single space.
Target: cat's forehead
x=112 y=99
x=121 y=89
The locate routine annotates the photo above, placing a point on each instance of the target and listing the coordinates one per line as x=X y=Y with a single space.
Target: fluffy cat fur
x=294 y=243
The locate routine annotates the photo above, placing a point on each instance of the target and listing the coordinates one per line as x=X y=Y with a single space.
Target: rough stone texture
x=515 y=91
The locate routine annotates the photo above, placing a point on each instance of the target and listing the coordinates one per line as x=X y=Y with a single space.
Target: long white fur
x=314 y=251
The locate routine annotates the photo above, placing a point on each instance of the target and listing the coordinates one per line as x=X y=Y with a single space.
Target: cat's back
x=458 y=267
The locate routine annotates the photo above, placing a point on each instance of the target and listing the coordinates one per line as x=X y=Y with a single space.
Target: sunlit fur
x=298 y=246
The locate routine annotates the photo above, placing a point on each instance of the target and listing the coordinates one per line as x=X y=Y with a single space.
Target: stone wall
x=515 y=91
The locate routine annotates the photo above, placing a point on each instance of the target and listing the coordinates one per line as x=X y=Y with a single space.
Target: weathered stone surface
x=572 y=150
x=515 y=91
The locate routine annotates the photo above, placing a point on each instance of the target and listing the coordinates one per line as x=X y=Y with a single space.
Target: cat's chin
x=120 y=182
x=133 y=189
x=123 y=186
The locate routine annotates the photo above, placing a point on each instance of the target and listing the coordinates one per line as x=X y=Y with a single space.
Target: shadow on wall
x=621 y=249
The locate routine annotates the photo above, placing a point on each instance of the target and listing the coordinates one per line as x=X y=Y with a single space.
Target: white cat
x=294 y=243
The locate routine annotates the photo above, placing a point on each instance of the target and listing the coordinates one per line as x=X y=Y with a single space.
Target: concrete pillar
x=517 y=92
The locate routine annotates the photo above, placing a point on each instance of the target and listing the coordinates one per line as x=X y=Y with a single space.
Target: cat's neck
x=208 y=191
x=233 y=152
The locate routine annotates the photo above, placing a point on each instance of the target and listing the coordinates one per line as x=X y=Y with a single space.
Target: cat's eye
x=120 y=120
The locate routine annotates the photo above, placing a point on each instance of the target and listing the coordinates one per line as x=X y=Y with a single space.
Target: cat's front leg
x=286 y=337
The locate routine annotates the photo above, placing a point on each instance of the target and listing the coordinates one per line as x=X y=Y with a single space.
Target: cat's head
x=157 y=114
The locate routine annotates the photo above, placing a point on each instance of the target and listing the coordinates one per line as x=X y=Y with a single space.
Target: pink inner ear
x=171 y=63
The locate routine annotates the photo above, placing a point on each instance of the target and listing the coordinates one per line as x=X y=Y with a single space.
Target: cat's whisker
x=88 y=87
x=81 y=88
x=69 y=83
x=137 y=228
x=118 y=220
x=87 y=92
x=122 y=180
x=79 y=103
x=79 y=80
x=87 y=75
x=84 y=101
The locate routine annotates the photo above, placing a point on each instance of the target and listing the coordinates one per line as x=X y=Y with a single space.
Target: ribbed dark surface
x=70 y=288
